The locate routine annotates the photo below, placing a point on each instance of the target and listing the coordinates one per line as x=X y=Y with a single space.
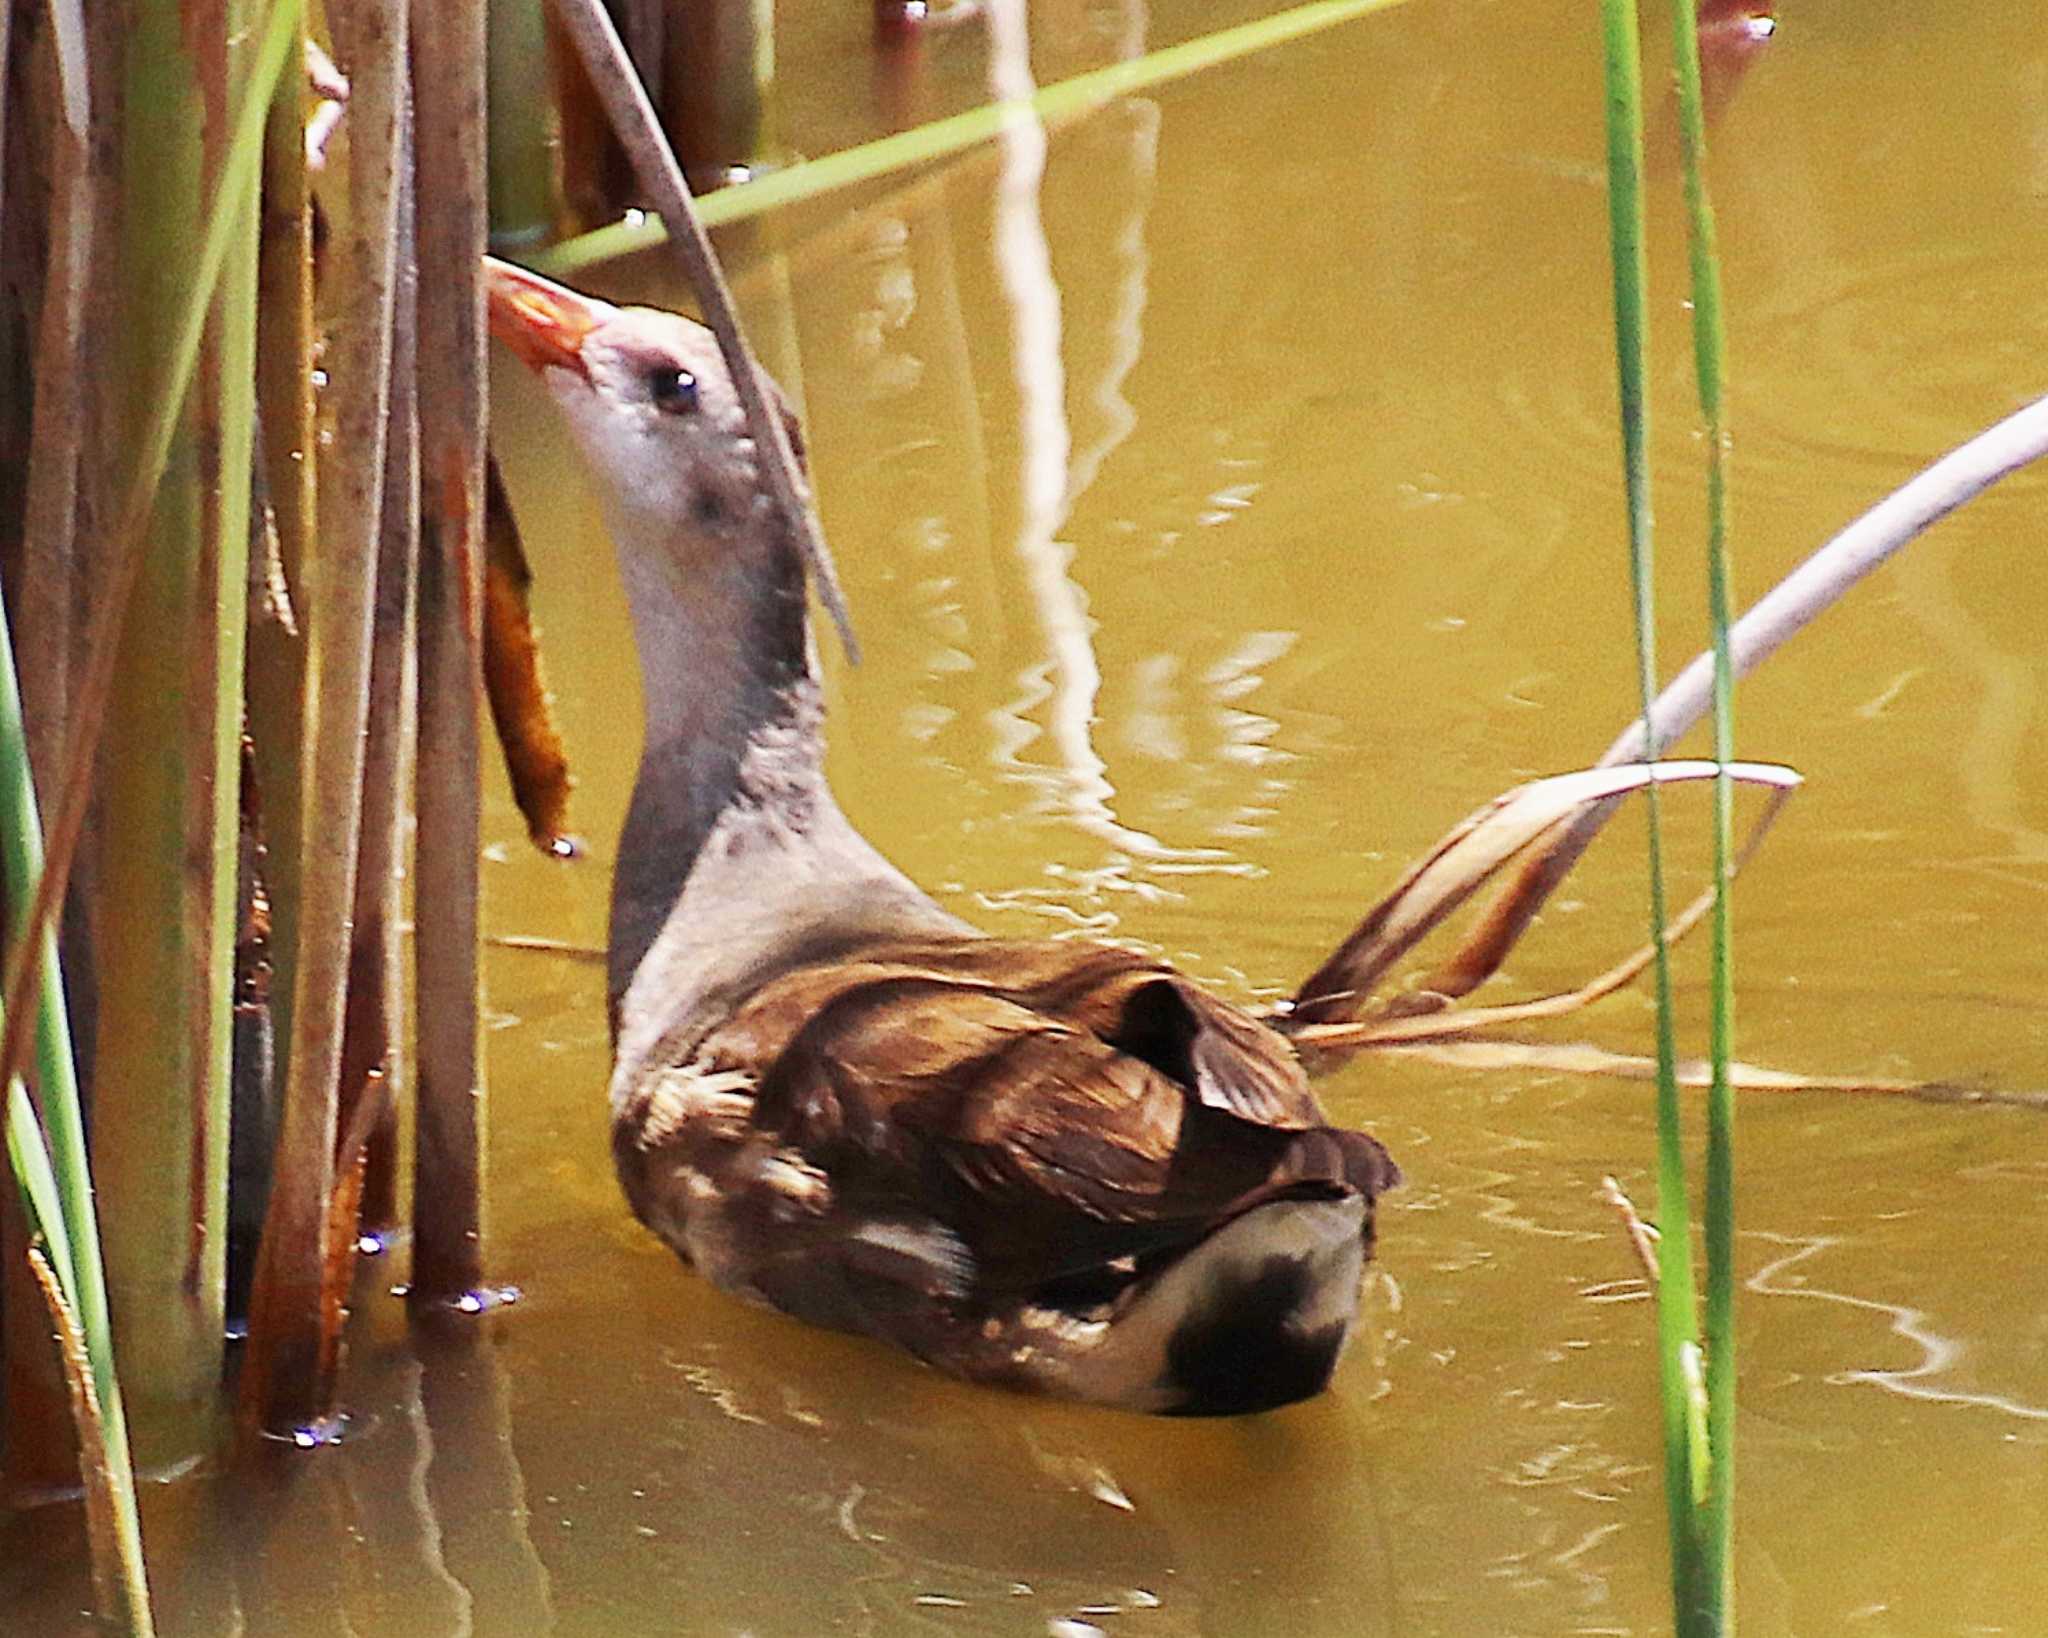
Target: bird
x=1052 y=1165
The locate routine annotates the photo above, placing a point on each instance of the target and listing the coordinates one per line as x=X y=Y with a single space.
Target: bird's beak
x=543 y=322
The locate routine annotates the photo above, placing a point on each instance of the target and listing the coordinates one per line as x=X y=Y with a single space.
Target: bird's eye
x=674 y=391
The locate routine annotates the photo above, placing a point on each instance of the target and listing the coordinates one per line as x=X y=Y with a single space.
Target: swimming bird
x=1054 y=1165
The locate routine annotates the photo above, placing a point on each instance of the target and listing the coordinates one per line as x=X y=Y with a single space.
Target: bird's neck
x=734 y=740
x=734 y=860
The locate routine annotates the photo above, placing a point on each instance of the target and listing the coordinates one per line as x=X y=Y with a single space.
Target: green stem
x=1068 y=99
x=1677 y=1300
x=1709 y=359
x=49 y=1157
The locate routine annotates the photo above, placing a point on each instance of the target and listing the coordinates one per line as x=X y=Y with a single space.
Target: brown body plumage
x=1052 y=1164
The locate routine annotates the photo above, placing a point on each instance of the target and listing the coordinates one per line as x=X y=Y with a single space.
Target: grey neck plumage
x=735 y=861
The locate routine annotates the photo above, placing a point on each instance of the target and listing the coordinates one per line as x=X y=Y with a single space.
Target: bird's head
x=651 y=404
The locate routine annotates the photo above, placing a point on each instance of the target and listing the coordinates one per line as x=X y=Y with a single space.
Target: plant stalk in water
x=448 y=105
x=1696 y=1589
x=1709 y=357
x=295 y=1310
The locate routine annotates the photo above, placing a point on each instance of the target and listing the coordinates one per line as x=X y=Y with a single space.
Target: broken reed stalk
x=1717 y=1524
x=535 y=760
x=120 y=1582
x=654 y=163
x=288 y=1376
x=1642 y=1239
x=448 y=104
x=1478 y=848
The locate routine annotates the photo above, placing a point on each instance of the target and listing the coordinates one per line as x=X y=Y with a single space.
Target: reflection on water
x=1223 y=486
x=1939 y=1355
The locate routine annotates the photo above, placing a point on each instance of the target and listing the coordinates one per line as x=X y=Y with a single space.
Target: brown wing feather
x=1059 y=1105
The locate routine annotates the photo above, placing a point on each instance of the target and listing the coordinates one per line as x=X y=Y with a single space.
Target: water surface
x=1226 y=513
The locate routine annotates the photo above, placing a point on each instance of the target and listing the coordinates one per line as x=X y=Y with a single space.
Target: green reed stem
x=48 y=1155
x=1709 y=358
x=1068 y=99
x=1694 y=1593
x=523 y=129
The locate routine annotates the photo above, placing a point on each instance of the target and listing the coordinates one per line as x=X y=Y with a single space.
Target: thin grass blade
x=1709 y=363
x=49 y=1156
x=1677 y=1299
x=1065 y=100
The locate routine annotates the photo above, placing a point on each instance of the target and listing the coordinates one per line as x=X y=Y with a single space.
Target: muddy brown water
x=1225 y=515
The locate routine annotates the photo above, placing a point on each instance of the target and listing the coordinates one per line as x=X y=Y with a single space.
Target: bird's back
x=1055 y=1163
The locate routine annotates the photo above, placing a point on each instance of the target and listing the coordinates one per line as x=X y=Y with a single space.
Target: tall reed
x=1709 y=358
x=161 y=1063
x=189 y=133
x=289 y=1377
x=453 y=214
x=1698 y=1375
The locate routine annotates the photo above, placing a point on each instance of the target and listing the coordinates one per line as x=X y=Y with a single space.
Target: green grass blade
x=30 y=1156
x=1709 y=360
x=55 y=1178
x=1676 y=1295
x=1065 y=100
x=71 y=1233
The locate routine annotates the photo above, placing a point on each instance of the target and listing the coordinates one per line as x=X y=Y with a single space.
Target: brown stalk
x=654 y=163
x=285 y=413
x=646 y=30
x=294 y=1317
x=371 y=1036
x=448 y=102
x=49 y=524
x=520 y=709
x=1642 y=1239
x=122 y=1601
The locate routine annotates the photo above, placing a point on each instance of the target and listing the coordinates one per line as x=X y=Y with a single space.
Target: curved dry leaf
x=1427 y=1013
x=119 y=1588
x=1460 y=864
x=535 y=760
